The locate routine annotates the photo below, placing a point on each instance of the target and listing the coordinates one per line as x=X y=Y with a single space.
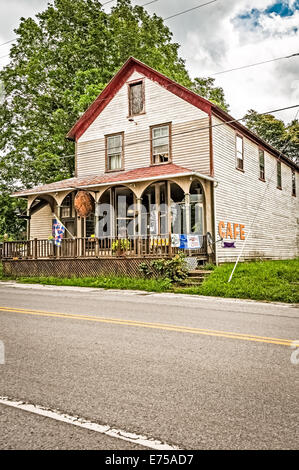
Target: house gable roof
x=182 y=92
x=133 y=65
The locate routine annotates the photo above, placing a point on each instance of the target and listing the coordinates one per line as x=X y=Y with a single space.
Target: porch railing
x=95 y=248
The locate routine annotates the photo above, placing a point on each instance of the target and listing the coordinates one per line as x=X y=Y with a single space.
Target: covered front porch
x=145 y=217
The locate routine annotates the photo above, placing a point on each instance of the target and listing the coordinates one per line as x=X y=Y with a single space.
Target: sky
x=222 y=35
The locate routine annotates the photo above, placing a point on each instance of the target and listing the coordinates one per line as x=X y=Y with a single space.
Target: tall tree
x=207 y=89
x=284 y=138
x=59 y=63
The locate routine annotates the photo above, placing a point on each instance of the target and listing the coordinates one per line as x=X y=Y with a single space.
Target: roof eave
x=118 y=182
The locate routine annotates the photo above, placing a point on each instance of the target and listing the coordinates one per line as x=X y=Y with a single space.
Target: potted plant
x=120 y=246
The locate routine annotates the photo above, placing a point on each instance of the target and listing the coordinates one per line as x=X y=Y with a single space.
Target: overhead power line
x=148 y=3
x=257 y=63
x=137 y=142
x=7 y=42
x=190 y=9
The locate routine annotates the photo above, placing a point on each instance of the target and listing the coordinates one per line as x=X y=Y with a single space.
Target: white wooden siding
x=41 y=223
x=275 y=233
x=190 y=141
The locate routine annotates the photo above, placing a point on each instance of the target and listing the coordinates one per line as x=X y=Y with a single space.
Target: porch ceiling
x=157 y=172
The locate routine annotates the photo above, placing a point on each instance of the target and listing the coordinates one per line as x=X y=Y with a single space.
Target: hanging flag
x=58 y=230
x=193 y=242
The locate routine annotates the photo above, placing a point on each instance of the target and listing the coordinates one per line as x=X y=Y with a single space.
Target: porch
x=92 y=247
x=139 y=214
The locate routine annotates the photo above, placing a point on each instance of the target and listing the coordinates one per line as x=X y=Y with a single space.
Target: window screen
x=239 y=152
x=262 y=164
x=160 y=144
x=279 y=174
x=114 y=152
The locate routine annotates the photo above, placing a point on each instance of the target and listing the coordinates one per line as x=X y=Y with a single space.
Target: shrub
x=174 y=269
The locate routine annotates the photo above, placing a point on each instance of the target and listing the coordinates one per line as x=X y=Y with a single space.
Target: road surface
x=190 y=372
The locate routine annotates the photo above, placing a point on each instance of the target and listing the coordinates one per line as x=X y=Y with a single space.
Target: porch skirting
x=118 y=266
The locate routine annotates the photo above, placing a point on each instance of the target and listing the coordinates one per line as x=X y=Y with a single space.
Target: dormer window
x=136 y=98
x=161 y=144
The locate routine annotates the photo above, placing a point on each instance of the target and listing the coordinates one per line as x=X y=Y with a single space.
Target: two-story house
x=170 y=162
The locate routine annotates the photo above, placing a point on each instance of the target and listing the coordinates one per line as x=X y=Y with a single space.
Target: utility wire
x=190 y=9
x=259 y=207
x=7 y=42
x=148 y=3
x=257 y=63
x=179 y=133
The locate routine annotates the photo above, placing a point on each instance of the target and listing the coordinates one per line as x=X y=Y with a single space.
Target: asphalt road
x=180 y=369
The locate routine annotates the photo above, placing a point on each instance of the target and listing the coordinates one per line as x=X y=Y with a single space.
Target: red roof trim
x=219 y=113
x=152 y=172
x=196 y=100
x=119 y=80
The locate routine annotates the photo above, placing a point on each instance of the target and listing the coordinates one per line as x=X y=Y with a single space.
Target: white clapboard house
x=186 y=171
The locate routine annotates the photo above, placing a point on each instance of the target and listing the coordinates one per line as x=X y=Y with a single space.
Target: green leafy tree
x=207 y=89
x=284 y=138
x=62 y=59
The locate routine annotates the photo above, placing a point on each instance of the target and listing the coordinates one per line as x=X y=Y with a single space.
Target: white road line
x=82 y=423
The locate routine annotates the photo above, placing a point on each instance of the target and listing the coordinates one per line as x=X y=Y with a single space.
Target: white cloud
x=213 y=39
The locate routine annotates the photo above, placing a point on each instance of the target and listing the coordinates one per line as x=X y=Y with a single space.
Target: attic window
x=136 y=98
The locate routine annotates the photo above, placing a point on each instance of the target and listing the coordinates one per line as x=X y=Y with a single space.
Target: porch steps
x=196 y=277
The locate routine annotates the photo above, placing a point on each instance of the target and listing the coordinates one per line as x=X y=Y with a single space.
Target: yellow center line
x=158 y=326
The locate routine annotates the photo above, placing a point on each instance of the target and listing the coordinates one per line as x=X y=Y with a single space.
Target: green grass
x=276 y=281
x=105 y=282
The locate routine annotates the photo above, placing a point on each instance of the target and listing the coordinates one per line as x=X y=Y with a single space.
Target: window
x=114 y=152
x=279 y=175
x=262 y=164
x=293 y=183
x=239 y=152
x=136 y=98
x=160 y=144
x=66 y=207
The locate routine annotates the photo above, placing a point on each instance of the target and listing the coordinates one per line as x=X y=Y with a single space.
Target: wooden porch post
x=139 y=221
x=188 y=213
x=35 y=248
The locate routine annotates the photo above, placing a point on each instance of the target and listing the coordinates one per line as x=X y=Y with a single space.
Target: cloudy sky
x=217 y=37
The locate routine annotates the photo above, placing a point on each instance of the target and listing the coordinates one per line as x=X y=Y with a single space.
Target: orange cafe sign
x=231 y=230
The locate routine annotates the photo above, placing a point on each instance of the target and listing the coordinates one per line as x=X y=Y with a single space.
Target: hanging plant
x=84 y=204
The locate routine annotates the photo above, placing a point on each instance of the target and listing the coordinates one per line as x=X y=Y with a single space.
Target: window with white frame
x=262 y=164
x=279 y=182
x=239 y=152
x=293 y=183
x=160 y=139
x=114 y=152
